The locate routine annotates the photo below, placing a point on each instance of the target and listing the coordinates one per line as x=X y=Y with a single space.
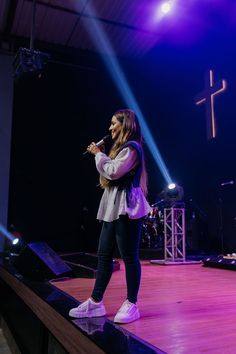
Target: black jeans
x=126 y=233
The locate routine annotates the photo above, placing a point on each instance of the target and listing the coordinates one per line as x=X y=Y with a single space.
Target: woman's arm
x=125 y=161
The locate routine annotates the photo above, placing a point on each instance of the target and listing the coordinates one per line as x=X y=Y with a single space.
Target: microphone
x=104 y=140
x=226 y=183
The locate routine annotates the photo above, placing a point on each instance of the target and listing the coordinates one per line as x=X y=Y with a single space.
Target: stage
x=184 y=309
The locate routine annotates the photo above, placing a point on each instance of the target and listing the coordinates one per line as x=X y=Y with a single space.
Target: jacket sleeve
x=125 y=161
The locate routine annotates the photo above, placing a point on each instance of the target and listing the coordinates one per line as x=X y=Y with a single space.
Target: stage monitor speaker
x=39 y=262
x=221 y=261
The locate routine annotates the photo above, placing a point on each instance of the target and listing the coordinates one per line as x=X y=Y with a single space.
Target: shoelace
x=84 y=305
x=126 y=306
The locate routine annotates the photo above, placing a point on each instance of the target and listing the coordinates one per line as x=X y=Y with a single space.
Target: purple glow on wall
x=188 y=22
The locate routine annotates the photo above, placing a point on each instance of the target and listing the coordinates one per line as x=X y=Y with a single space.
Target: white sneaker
x=88 y=308
x=128 y=312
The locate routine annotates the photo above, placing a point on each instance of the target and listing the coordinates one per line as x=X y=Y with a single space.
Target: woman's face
x=115 y=128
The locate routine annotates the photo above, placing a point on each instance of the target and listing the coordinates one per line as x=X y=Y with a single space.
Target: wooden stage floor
x=184 y=308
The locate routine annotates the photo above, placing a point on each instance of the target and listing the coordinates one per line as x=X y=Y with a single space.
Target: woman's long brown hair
x=130 y=131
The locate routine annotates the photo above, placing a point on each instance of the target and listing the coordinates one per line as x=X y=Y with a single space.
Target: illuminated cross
x=211 y=90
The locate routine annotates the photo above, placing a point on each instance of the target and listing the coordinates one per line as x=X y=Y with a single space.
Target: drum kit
x=153 y=228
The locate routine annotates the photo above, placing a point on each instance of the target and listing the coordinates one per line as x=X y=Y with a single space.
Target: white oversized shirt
x=114 y=202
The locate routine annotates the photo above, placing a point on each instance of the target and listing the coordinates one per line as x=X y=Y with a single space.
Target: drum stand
x=174 y=233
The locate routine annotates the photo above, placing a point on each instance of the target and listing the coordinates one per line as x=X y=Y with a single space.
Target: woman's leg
x=128 y=233
x=105 y=260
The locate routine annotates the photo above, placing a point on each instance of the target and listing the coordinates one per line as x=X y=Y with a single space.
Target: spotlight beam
x=101 y=40
x=6 y=233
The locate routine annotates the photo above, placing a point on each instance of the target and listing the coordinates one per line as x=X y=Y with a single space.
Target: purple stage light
x=166 y=7
x=163 y=9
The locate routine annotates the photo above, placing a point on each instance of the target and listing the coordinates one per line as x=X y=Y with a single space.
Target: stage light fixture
x=15 y=241
x=172 y=194
x=29 y=62
x=166 y=7
x=16 y=247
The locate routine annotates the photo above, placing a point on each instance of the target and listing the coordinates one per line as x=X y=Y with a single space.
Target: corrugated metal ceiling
x=65 y=22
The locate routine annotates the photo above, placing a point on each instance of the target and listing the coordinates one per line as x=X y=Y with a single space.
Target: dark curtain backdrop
x=6 y=98
x=54 y=194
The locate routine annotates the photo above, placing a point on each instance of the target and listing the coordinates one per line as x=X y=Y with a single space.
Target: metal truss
x=174 y=233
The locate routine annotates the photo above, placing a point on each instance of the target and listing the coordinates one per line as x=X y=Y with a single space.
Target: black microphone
x=104 y=140
x=226 y=183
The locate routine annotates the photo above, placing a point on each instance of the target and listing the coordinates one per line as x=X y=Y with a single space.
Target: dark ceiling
x=133 y=27
x=65 y=22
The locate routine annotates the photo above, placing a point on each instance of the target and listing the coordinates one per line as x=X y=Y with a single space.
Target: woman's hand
x=93 y=149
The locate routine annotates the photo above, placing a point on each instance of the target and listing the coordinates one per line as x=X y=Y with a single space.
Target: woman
x=122 y=209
